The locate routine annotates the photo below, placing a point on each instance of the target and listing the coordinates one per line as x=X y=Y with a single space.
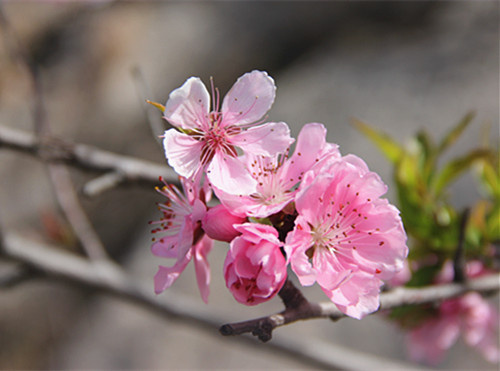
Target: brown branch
x=85 y=157
x=263 y=327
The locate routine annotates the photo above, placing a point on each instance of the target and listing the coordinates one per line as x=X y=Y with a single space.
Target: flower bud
x=255 y=268
x=218 y=223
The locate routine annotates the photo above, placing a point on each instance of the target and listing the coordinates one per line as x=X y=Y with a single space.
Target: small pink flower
x=218 y=223
x=183 y=237
x=346 y=238
x=207 y=139
x=277 y=176
x=255 y=268
x=470 y=315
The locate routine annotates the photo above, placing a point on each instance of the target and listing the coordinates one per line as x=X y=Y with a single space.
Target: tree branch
x=111 y=279
x=397 y=297
x=85 y=157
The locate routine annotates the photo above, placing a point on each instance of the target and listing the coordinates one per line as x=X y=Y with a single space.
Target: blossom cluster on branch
x=314 y=210
x=321 y=214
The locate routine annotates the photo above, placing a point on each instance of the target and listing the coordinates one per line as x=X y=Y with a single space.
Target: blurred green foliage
x=423 y=179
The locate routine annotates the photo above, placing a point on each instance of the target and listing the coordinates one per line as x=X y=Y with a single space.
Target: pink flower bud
x=218 y=223
x=255 y=268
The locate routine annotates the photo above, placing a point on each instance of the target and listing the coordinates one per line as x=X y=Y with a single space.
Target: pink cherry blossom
x=278 y=175
x=255 y=268
x=346 y=238
x=218 y=223
x=470 y=315
x=208 y=139
x=183 y=238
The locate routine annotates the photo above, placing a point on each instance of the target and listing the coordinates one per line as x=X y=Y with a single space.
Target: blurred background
x=399 y=66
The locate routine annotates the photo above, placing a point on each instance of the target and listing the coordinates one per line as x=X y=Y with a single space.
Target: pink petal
x=166 y=276
x=361 y=291
x=230 y=175
x=251 y=96
x=309 y=201
x=201 y=266
x=330 y=273
x=182 y=152
x=255 y=232
x=310 y=145
x=188 y=106
x=166 y=247
x=264 y=140
x=297 y=243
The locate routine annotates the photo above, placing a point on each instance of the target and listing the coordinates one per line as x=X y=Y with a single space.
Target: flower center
x=216 y=138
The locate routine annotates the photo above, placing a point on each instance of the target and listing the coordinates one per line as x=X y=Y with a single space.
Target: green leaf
x=384 y=142
x=454 y=168
x=490 y=178
x=455 y=132
x=428 y=155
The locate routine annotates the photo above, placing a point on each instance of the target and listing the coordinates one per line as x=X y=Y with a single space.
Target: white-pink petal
x=188 y=106
x=230 y=175
x=182 y=152
x=264 y=140
x=251 y=96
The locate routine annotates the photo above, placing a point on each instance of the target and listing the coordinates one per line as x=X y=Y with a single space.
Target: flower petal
x=265 y=140
x=188 y=106
x=201 y=266
x=166 y=276
x=230 y=175
x=182 y=152
x=251 y=96
x=311 y=147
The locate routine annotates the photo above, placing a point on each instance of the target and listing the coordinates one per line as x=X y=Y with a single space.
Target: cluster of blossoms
x=316 y=211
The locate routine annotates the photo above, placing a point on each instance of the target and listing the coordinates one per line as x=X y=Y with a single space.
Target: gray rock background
x=400 y=66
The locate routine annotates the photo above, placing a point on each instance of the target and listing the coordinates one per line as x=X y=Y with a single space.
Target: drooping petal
x=201 y=266
x=166 y=276
x=182 y=152
x=188 y=106
x=251 y=96
x=230 y=175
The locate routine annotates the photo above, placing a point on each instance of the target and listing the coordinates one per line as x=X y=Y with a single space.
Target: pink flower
x=346 y=238
x=218 y=223
x=184 y=239
x=207 y=139
x=277 y=176
x=470 y=315
x=255 y=268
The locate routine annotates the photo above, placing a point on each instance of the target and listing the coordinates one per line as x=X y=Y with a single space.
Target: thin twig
x=11 y=276
x=156 y=124
x=86 y=157
x=103 y=183
x=68 y=201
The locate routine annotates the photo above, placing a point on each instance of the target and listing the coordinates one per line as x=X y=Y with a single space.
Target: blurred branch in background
x=130 y=170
